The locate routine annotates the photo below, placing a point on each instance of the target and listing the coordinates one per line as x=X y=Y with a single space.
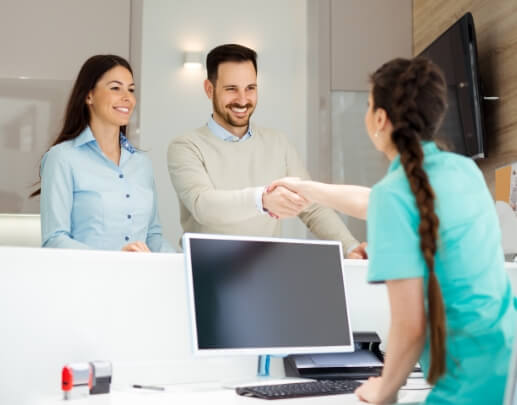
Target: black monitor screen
x=267 y=294
x=455 y=52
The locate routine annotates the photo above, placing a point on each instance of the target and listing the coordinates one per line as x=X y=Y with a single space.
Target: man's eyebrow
x=234 y=85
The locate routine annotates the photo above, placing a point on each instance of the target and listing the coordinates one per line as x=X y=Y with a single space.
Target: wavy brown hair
x=413 y=94
x=77 y=115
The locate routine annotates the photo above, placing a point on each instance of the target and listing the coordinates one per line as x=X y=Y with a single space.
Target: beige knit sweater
x=215 y=182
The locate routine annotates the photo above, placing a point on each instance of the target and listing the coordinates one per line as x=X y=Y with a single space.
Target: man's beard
x=226 y=115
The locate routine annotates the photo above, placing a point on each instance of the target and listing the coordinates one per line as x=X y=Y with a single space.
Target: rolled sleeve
x=259 y=191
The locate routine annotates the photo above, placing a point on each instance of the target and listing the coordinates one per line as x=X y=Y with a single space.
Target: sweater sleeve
x=321 y=221
x=196 y=191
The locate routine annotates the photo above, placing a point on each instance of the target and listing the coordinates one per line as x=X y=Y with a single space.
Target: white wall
x=172 y=99
x=51 y=39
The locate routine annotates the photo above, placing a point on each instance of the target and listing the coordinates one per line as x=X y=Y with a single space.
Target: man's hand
x=136 y=247
x=283 y=203
x=358 y=252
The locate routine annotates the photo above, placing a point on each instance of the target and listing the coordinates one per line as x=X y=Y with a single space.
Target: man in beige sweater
x=221 y=171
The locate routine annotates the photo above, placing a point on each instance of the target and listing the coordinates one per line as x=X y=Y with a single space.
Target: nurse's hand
x=371 y=391
x=136 y=247
x=283 y=203
x=295 y=184
x=358 y=252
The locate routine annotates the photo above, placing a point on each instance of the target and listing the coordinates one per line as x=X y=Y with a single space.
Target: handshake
x=284 y=198
x=289 y=196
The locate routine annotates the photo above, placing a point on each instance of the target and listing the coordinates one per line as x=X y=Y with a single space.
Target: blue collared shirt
x=88 y=202
x=227 y=136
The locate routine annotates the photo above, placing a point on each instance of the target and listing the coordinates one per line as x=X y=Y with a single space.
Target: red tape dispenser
x=80 y=379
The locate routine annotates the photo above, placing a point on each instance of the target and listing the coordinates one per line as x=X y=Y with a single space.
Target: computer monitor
x=251 y=295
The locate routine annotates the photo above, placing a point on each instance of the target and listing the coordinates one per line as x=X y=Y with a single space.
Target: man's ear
x=209 y=88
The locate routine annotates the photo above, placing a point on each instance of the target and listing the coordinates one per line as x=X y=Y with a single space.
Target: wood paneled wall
x=496 y=30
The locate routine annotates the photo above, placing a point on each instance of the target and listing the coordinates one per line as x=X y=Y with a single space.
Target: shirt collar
x=428 y=147
x=86 y=136
x=124 y=142
x=226 y=135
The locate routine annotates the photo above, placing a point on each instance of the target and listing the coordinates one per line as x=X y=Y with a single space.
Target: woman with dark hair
x=433 y=237
x=97 y=190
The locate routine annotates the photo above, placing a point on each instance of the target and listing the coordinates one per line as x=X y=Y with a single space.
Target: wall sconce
x=192 y=60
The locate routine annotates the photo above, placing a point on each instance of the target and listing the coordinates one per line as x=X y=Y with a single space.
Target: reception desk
x=63 y=306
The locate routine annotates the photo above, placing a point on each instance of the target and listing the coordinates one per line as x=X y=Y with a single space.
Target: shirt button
x=128 y=216
x=121 y=176
x=126 y=238
x=127 y=195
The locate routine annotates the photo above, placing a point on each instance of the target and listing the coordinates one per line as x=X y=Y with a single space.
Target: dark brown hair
x=228 y=53
x=413 y=94
x=77 y=115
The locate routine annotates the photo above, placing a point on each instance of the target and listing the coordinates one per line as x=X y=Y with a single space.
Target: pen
x=149 y=387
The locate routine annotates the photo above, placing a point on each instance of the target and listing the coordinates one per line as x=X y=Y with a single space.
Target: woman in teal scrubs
x=433 y=237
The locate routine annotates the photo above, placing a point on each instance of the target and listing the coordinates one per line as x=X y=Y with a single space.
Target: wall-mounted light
x=192 y=60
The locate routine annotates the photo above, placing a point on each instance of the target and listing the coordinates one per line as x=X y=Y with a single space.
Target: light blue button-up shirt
x=227 y=136
x=88 y=202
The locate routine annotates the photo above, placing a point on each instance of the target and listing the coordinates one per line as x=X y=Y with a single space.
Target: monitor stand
x=263 y=376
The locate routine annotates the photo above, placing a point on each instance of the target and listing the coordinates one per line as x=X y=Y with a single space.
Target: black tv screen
x=455 y=52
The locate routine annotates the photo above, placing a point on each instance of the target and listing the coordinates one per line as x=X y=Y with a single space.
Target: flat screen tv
x=455 y=51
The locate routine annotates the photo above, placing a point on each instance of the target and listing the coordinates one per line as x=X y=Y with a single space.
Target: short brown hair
x=228 y=53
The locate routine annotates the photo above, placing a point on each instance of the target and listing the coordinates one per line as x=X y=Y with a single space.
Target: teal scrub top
x=469 y=264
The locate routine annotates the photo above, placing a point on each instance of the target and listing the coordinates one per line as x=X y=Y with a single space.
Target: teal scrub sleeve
x=393 y=240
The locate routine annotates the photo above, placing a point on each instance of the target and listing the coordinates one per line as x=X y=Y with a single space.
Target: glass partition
x=354 y=158
x=30 y=115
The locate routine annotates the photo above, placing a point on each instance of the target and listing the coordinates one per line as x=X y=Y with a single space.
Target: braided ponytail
x=413 y=94
x=411 y=158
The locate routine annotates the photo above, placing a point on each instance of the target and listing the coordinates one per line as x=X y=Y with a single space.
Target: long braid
x=411 y=158
x=415 y=106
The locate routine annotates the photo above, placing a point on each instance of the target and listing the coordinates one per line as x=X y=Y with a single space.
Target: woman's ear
x=381 y=118
x=89 y=98
x=383 y=122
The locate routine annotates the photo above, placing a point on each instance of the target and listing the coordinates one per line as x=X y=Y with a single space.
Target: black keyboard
x=306 y=389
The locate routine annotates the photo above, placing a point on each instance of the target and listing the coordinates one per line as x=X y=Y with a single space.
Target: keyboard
x=294 y=390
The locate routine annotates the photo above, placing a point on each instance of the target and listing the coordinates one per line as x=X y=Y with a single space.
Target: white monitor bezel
x=258 y=350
